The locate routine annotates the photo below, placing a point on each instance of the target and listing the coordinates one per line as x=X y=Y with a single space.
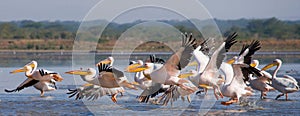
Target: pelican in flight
x=143 y=79
x=41 y=79
x=109 y=81
x=286 y=84
x=237 y=87
x=210 y=75
x=202 y=59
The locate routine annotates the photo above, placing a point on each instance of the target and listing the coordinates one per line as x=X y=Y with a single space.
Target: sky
x=76 y=10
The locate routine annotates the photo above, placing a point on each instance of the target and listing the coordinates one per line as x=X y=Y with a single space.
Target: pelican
x=169 y=72
x=42 y=80
x=143 y=79
x=260 y=83
x=237 y=87
x=286 y=84
x=209 y=76
x=109 y=81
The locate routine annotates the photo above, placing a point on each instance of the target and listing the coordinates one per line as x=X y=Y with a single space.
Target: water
x=28 y=101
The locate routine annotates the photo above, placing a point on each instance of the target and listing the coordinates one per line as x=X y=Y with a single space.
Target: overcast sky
x=40 y=10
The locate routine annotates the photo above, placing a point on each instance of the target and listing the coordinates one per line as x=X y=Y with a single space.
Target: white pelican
x=209 y=76
x=143 y=79
x=41 y=74
x=42 y=80
x=237 y=87
x=109 y=81
x=285 y=84
x=260 y=83
x=169 y=72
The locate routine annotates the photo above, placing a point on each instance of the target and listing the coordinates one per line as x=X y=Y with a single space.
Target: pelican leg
x=42 y=93
x=278 y=96
x=188 y=98
x=286 y=96
x=262 y=95
x=114 y=98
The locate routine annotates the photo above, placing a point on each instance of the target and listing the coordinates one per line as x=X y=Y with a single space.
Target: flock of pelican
x=232 y=78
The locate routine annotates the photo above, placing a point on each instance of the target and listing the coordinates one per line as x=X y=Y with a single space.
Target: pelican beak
x=106 y=61
x=136 y=68
x=269 y=66
x=205 y=86
x=18 y=70
x=78 y=72
x=253 y=64
x=185 y=75
x=231 y=61
x=87 y=84
x=194 y=63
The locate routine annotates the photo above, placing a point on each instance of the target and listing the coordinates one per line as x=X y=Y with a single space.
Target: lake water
x=28 y=101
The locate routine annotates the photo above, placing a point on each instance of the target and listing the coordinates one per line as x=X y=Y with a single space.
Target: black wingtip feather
x=9 y=91
x=230 y=41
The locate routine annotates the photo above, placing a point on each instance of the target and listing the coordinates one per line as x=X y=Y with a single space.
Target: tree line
x=247 y=28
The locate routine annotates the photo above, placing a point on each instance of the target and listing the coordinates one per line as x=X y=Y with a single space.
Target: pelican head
x=28 y=67
x=276 y=62
x=108 y=60
x=231 y=61
x=138 y=67
x=254 y=63
x=89 y=71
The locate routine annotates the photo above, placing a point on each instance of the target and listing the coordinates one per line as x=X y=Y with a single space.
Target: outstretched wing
x=154 y=59
x=151 y=92
x=27 y=83
x=93 y=92
x=219 y=55
x=182 y=57
x=252 y=48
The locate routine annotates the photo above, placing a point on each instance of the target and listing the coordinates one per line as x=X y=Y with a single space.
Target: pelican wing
x=204 y=47
x=171 y=93
x=253 y=47
x=182 y=57
x=219 y=55
x=290 y=77
x=93 y=92
x=246 y=56
x=44 y=72
x=151 y=91
x=154 y=59
x=27 y=83
x=284 y=82
x=104 y=68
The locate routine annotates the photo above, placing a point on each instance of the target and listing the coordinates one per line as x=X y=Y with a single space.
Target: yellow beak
x=18 y=70
x=78 y=72
x=205 y=86
x=136 y=68
x=194 y=63
x=185 y=75
x=253 y=64
x=269 y=66
x=231 y=61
